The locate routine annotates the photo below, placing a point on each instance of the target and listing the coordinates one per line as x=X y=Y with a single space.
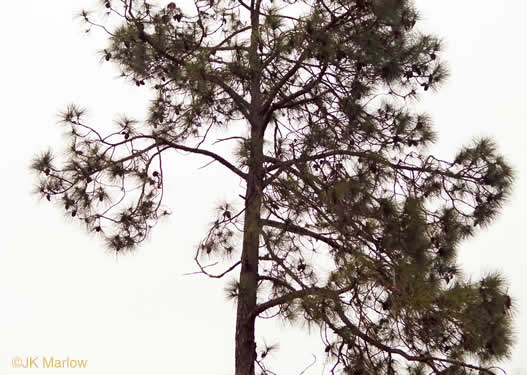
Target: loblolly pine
x=335 y=169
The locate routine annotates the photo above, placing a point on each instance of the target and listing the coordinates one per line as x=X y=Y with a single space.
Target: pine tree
x=316 y=95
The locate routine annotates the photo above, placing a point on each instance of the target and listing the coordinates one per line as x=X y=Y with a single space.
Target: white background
x=63 y=295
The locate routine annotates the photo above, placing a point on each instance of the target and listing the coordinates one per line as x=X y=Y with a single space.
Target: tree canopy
x=346 y=221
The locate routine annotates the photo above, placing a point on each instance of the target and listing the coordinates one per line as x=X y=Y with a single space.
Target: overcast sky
x=63 y=295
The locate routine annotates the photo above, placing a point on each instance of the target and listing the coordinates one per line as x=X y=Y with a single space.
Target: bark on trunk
x=245 y=355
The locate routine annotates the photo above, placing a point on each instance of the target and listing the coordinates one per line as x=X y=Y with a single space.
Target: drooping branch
x=289 y=297
x=426 y=359
x=211 y=154
x=289 y=227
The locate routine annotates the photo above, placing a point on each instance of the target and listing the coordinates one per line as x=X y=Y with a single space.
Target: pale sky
x=63 y=295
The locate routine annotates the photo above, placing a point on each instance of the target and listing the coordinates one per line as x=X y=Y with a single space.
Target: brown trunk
x=245 y=355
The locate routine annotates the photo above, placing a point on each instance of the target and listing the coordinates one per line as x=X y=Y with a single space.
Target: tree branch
x=300 y=230
x=298 y=294
x=207 y=153
x=429 y=360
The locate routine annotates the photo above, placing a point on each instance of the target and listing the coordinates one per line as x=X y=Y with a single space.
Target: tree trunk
x=245 y=355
